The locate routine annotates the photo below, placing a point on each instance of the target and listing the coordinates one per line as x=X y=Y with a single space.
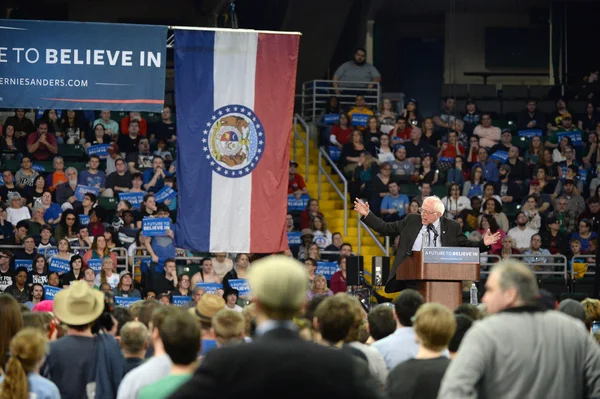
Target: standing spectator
x=26 y=175
x=421 y=377
x=42 y=145
x=134 y=116
x=134 y=344
x=381 y=322
x=356 y=70
x=111 y=126
x=570 y=352
x=531 y=117
x=445 y=120
x=166 y=128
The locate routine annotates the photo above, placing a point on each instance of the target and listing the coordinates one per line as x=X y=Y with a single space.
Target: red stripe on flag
x=275 y=82
x=88 y=100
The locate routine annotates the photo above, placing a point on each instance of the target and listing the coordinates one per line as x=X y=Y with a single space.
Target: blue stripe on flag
x=194 y=89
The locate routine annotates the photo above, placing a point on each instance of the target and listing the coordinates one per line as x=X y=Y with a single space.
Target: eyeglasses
x=426 y=212
x=71 y=219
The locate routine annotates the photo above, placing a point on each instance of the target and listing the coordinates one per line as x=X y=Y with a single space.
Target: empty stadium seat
x=515 y=92
x=483 y=91
x=455 y=90
x=492 y=106
x=539 y=92
x=512 y=106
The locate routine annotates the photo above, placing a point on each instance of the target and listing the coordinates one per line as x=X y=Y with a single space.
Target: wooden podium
x=438 y=273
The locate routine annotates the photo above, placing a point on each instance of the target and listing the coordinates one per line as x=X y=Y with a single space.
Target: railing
x=316 y=93
x=344 y=195
x=542 y=262
x=135 y=271
x=305 y=141
x=589 y=264
x=386 y=249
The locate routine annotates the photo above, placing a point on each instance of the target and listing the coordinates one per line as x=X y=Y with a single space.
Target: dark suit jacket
x=278 y=365
x=408 y=229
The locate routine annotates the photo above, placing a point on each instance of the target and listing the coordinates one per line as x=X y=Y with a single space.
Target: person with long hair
x=532 y=211
x=183 y=286
x=206 y=274
x=547 y=162
x=590 y=119
x=74 y=127
x=454 y=202
x=64 y=250
x=430 y=135
x=471 y=116
x=11 y=145
x=39 y=272
x=489 y=222
x=592 y=149
x=584 y=234
x=385 y=153
x=558 y=155
x=107 y=274
x=457 y=173
x=76 y=272
x=340 y=133
x=492 y=207
x=371 y=134
x=99 y=250
x=351 y=151
x=413 y=207
x=535 y=152
x=411 y=113
x=426 y=172
x=22 y=379
x=362 y=177
x=322 y=236
x=68 y=227
x=311 y=211
x=386 y=116
x=125 y=286
x=11 y=322
x=99 y=136
x=318 y=287
x=240 y=270
x=147 y=209
x=474 y=186
x=338 y=280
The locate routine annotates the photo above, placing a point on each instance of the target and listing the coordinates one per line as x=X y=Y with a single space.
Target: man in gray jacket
x=521 y=351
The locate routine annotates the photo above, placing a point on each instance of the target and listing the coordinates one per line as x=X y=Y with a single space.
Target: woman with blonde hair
x=318 y=287
x=107 y=274
x=22 y=379
x=362 y=177
x=322 y=236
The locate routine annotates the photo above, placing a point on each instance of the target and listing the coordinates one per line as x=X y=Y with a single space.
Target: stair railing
x=385 y=249
x=304 y=140
x=343 y=195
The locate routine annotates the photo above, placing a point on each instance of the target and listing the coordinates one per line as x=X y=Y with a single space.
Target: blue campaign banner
x=50 y=292
x=152 y=227
x=76 y=65
x=99 y=149
x=241 y=285
x=327 y=269
x=28 y=263
x=210 y=288
x=95 y=265
x=446 y=159
x=165 y=193
x=84 y=219
x=294 y=238
x=360 y=119
x=295 y=204
x=126 y=300
x=529 y=133
x=180 y=300
x=1 y=180
x=38 y=168
x=59 y=265
x=135 y=199
x=583 y=173
x=501 y=156
x=331 y=119
x=334 y=153
x=40 y=113
x=575 y=136
x=80 y=191
x=50 y=252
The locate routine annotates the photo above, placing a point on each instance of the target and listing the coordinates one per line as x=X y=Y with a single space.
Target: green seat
x=440 y=191
x=110 y=204
x=80 y=166
x=521 y=142
x=151 y=117
x=71 y=150
x=510 y=210
x=12 y=165
x=47 y=165
x=410 y=189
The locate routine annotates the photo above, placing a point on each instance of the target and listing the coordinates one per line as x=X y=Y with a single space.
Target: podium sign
x=450 y=255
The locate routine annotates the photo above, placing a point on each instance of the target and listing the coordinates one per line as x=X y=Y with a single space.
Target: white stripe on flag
x=234 y=75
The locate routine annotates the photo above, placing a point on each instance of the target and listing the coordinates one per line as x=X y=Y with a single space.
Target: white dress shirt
x=418 y=245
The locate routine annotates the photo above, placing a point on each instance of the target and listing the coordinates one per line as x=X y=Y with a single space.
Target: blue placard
x=135 y=199
x=180 y=300
x=38 y=168
x=450 y=255
x=331 y=119
x=529 y=133
x=59 y=265
x=446 y=159
x=81 y=190
x=84 y=219
x=126 y=300
x=28 y=263
x=360 y=119
x=335 y=153
x=76 y=65
x=50 y=292
x=327 y=269
x=95 y=265
x=210 y=288
x=583 y=175
x=1 y=180
x=40 y=113
x=501 y=156
x=50 y=252
x=294 y=204
x=241 y=285
x=100 y=150
x=152 y=227
x=575 y=136
x=164 y=194
x=294 y=238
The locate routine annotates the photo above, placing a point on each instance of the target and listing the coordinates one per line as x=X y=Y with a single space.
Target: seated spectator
x=23 y=125
x=93 y=177
x=360 y=109
x=454 y=202
x=11 y=145
x=296 y=184
x=445 y=120
x=592 y=150
x=312 y=210
x=28 y=252
x=572 y=173
x=508 y=189
x=569 y=161
x=566 y=125
x=148 y=208
x=141 y=160
x=99 y=250
x=161 y=151
x=592 y=212
x=87 y=205
x=28 y=350
x=221 y=264
x=521 y=233
x=34 y=194
x=474 y=186
x=538 y=254
x=113 y=155
x=519 y=171
x=239 y=271
x=165 y=281
x=574 y=198
x=6 y=228
x=112 y=240
x=386 y=116
x=350 y=156
x=489 y=222
x=338 y=280
x=564 y=215
x=26 y=175
x=129 y=143
x=111 y=126
x=385 y=153
x=311 y=268
x=535 y=151
x=425 y=192
x=356 y=70
x=490 y=168
x=37 y=220
x=371 y=133
x=39 y=271
x=64 y=250
x=559 y=153
x=505 y=142
x=183 y=287
x=68 y=226
x=430 y=134
x=154 y=178
x=341 y=133
x=553 y=239
x=402 y=168
x=134 y=116
x=166 y=128
x=137 y=181
x=74 y=127
x=584 y=235
x=9 y=186
x=322 y=236
x=426 y=173
x=134 y=342
x=96 y=226
x=206 y=274
x=488 y=135
x=508 y=248
x=471 y=117
x=493 y=207
x=531 y=117
x=312 y=251
x=231 y=297
x=54 y=125
x=107 y=274
x=16 y=211
x=7 y=274
x=578 y=264
x=394 y=205
x=76 y=272
x=84 y=240
x=543 y=200
x=41 y=144
x=21 y=230
x=450 y=149
x=379 y=187
x=318 y=287
x=401 y=132
x=52 y=212
x=19 y=289
x=125 y=286
x=421 y=377
x=37 y=296
x=417 y=147
x=531 y=210
x=65 y=193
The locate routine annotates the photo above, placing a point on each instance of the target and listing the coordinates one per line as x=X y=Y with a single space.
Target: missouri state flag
x=235 y=99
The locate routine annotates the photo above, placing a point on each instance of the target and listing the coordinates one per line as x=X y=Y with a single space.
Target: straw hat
x=208 y=306
x=79 y=304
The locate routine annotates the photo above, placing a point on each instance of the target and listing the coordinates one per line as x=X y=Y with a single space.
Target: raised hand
x=361 y=207
x=490 y=239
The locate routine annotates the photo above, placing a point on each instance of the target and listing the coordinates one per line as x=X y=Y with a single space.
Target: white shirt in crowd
x=113 y=280
x=522 y=237
x=454 y=207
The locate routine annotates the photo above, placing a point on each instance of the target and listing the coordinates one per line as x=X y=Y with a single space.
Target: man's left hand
x=491 y=239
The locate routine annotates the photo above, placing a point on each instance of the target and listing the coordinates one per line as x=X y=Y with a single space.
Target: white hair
x=438 y=205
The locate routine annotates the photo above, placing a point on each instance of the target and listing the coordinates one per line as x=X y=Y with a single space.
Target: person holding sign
x=239 y=271
x=93 y=177
x=183 y=286
x=99 y=251
x=360 y=113
x=206 y=274
x=100 y=136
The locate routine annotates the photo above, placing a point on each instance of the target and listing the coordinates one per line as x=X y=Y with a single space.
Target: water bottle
x=474 y=301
